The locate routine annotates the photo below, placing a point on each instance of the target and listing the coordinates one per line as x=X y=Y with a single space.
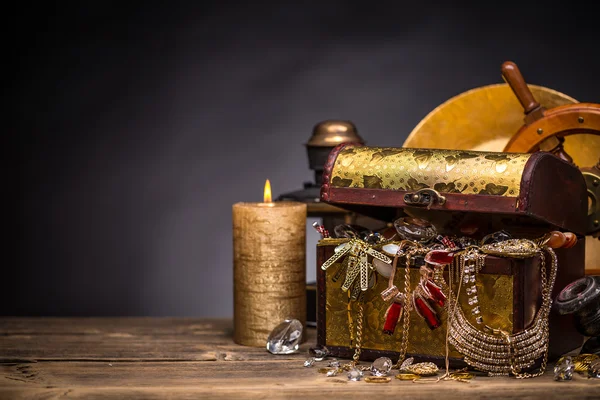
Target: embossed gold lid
x=330 y=133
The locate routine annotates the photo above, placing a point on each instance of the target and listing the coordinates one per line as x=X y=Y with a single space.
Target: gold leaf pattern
x=494 y=190
x=341 y=182
x=449 y=187
x=372 y=182
x=447 y=171
x=380 y=155
x=414 y=185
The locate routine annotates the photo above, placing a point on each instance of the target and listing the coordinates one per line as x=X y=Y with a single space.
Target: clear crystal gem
x=334 y=364
x=416 y=229
x=563 y=371
x=355 y=374
x=473 y=300
x=479 y=320
x=381 y=366
x=310 y=362
x=332 y=372
x=472 y=279
x=476 y=311
x=406 y=363
x=285 y=337
x=373 y=238
x=472 y=290
x=319 y=352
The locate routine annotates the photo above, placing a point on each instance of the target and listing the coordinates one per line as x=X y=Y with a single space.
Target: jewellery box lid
x=386 y=182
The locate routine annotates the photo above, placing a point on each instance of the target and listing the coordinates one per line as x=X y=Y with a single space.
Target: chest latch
x=424 y=198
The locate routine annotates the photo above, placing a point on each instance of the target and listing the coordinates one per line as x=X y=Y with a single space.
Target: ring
x=461 y=375
x=377 y=379
x=407 y=377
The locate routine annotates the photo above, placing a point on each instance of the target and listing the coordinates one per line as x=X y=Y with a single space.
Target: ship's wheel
x=550 y=130
x=490 y=118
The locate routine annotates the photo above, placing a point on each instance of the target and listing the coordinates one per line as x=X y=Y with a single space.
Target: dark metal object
x=326 y=135
x=424 y=197
x=592 y=180
x=582 y=299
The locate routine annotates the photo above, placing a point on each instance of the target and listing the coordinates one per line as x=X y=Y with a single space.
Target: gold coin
x=377 y=379
x=462 y=375
x=324 y=370
x=407 y=377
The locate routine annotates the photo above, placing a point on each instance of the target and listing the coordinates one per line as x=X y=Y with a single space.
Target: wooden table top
x=196 y=358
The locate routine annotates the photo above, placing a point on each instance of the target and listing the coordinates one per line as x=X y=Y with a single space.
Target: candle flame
x=267 y=192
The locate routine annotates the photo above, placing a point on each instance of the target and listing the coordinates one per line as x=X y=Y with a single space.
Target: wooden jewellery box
x=527 y=195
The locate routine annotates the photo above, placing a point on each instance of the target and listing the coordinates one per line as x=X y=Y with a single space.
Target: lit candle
x=269 y=267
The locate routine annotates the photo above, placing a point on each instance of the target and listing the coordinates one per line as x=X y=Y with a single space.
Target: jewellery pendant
x=357 y=264
x=421 y=369
x=470 y=264
x=516 y=248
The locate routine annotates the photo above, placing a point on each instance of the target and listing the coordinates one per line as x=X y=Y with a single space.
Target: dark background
x=139 y=125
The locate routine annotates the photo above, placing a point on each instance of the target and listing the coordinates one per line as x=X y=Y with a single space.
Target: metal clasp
x=424 y=197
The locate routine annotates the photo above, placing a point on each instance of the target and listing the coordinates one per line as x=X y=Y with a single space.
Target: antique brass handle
x=424 y=197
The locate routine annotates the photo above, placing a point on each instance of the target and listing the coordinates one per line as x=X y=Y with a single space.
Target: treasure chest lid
x=387 y=182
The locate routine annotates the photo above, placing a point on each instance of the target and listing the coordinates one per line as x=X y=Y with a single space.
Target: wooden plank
x=124 y=339
x=273 y=379
x=216 y=327
x=192 y=358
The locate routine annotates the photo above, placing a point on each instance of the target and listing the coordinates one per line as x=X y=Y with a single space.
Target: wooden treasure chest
x=473 y=247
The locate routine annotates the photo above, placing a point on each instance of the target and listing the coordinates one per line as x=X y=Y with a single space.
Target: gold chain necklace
x=501 y=353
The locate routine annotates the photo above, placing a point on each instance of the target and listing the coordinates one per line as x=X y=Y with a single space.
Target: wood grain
x=126 y=339
x=102 y=358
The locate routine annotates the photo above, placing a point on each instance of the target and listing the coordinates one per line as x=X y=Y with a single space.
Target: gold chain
x=545 y=307
x=407 y=308
x=359 y=328
x=546 y=299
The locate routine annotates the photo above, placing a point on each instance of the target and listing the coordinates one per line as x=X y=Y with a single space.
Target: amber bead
x=571 y=240
x=557 y=239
